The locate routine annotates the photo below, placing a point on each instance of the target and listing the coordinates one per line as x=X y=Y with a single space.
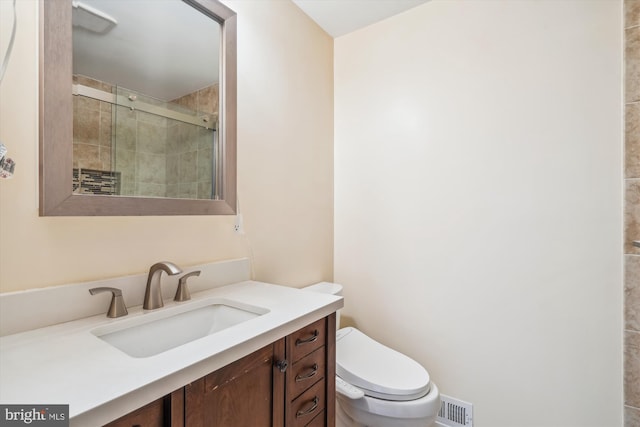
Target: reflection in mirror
x=145 y=119
x=138 y=107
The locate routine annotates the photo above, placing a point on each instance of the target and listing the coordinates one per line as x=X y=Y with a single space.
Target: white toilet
x=376 y=385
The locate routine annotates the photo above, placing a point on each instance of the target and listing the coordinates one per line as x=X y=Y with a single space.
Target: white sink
x=155 y=332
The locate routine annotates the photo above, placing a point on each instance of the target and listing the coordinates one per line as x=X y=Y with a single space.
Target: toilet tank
x=327 y=288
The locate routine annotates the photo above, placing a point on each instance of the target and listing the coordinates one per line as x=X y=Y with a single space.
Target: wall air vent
x=454 y=413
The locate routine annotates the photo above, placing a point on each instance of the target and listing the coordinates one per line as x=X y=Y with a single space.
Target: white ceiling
x=166 y=49
x=161 y=48
x=339 y=17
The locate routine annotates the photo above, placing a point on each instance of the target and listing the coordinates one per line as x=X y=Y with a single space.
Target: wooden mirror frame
x=56 y=125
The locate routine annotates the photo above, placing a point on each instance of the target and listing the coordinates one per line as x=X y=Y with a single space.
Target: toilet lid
x=377 y=369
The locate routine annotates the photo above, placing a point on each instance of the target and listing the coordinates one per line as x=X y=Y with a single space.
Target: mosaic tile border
x=91 y=181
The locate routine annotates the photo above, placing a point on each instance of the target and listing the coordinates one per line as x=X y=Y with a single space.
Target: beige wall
x=632 y=214
x=285 y=150
x=478 y=201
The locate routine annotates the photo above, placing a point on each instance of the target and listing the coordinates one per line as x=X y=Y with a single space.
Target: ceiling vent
x=92 y=19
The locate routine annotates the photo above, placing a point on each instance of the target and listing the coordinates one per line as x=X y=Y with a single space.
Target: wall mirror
x=137 y=108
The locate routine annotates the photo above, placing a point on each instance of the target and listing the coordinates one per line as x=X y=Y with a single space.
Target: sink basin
x=156 y=332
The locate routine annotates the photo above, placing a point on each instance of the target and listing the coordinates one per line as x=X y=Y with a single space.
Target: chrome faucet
x=153 y=293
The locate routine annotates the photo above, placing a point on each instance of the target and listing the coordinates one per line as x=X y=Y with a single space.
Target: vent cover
x=455 y=413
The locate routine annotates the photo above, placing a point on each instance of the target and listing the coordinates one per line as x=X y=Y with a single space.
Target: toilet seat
x=378 y=370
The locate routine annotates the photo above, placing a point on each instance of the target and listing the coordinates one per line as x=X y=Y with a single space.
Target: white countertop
x=67 y=364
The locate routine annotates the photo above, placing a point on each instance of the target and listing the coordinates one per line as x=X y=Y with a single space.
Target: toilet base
x=344 y=420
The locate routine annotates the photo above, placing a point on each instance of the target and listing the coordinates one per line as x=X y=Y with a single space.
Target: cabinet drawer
x=318 y=421
x=305 y=372
x=306 y=340
x=305 y=408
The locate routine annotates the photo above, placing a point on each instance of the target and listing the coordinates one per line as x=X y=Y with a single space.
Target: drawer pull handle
x=312 y=408
x=311 y=373
x=312 y=338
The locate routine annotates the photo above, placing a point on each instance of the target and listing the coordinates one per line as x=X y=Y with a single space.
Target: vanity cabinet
x=288 y=383
x=167 y=411
x=244 y=393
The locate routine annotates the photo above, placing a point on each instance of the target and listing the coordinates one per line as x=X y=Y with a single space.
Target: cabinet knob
x=282 y=365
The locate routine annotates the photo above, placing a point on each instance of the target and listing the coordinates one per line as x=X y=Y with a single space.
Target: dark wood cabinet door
x=164 y=412
x=247 y=393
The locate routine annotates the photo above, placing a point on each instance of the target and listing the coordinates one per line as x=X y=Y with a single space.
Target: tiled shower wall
x=91 y=128
x=632 y=214
x=190 y=148
x=140 y=147
x=154 y=156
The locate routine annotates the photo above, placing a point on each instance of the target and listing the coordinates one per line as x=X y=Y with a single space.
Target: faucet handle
x=182 y=293
x=117 y=308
